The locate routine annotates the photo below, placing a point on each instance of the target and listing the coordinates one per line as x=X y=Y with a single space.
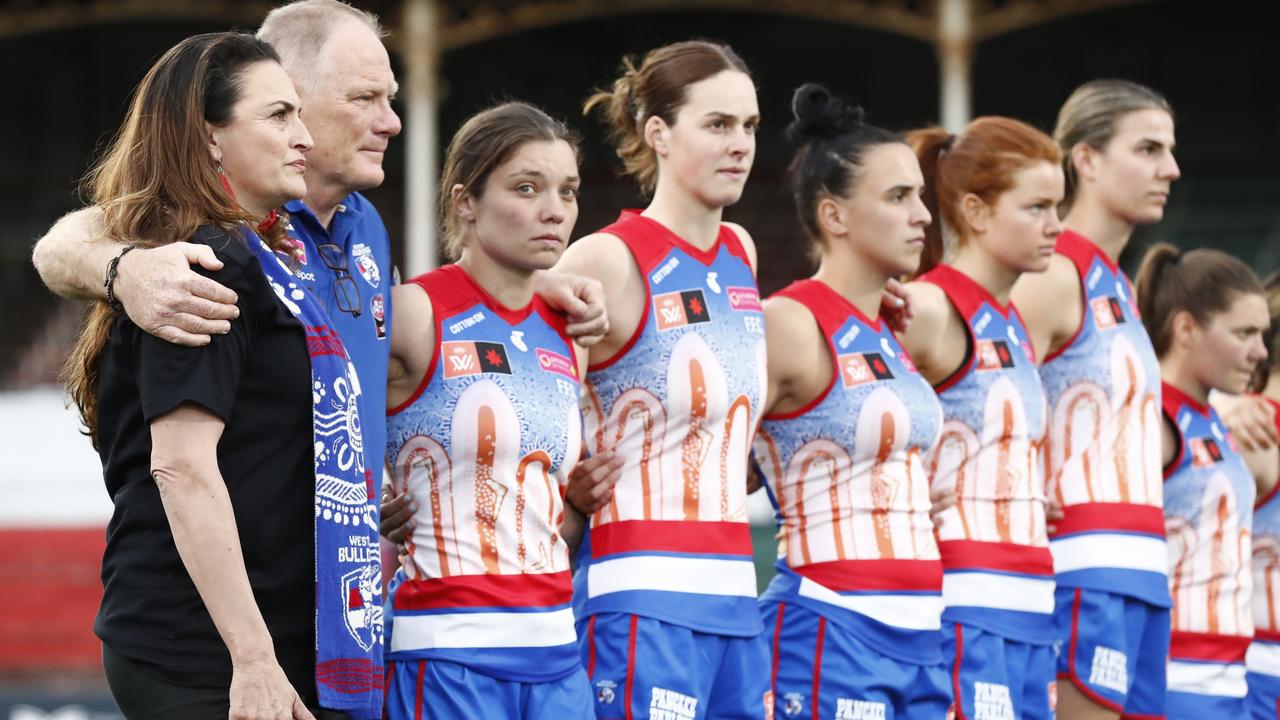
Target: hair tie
x=945 y=147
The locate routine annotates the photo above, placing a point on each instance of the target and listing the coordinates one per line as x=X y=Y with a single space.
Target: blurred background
x=70 y=65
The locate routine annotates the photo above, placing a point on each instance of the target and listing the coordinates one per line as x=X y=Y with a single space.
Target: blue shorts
x=1113 y=648
x=639 y=667
x=1264 y=696
x=820 y=670
x=993 y=676
x=438 y=690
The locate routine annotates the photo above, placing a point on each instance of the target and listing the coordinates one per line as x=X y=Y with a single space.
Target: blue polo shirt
x=358 y=230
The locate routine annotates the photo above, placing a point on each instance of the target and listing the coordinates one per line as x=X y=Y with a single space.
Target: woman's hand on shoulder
x=1050 y=305
x=605 y=260
x=580 y=299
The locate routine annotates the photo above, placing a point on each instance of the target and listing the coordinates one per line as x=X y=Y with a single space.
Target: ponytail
x=930 y=144
x=1201 y=282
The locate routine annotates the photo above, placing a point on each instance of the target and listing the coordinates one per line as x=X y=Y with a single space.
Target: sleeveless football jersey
x=680 y=403
x=846 y=475
x=1102 y=449
x=1266 y=576
x=485 y=445
x=1209 y=494
x=998 y=569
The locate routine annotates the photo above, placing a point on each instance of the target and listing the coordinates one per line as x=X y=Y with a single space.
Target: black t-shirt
x=257 y=379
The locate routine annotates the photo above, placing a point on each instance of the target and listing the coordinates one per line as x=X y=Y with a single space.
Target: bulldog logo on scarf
x=362 y=605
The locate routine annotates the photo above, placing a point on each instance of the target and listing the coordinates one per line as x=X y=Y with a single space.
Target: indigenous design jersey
x=1102 y=449
x=847 y=477
x=1209 y=493
x=486 y=444
x=1265 y=656
x=679 y=403
x=998 y=569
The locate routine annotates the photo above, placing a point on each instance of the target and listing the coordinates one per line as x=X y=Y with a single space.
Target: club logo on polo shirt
x=365 y=263
x=462 y=358
x=678 y=309
x=861 y=368
x=1107 y=312
x=994 y=355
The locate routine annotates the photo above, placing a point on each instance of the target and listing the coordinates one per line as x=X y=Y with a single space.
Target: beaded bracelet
x=113 y=269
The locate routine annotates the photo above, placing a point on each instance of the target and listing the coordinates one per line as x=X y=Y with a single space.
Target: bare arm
x=1050 y=304
x=936 y=338
x=184 y=464
x=157 y=287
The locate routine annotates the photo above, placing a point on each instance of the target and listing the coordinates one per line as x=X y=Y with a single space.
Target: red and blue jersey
x=680 y=403
x=1209 y=494
x=846 y=474
x=1102 y=448
x=995 y=552
x=486 y=444
x=1264 y=655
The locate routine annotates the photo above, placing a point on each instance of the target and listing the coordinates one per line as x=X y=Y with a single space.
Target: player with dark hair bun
x=854 y=611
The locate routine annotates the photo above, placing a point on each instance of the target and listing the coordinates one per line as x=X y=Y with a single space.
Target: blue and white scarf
x=349 y=672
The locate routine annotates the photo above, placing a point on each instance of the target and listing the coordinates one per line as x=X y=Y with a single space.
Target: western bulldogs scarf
x=349 y=671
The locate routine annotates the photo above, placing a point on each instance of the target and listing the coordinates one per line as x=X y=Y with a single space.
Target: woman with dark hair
x=665 y=579
x=1206 y=313
x=854 y=611
x=1263 y=657
x=484 y=427
x=1102 y=387
x=224 y=462
x=994 y=189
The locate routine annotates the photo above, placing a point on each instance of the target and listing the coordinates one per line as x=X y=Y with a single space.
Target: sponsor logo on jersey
x=1204 y=452
x=850 y=709
x=463 y=358
x=368 y=266
x=861 y=368
x=667 y=268
x=667 y=704
x=553 y=362
x=994 y=355
x=678 y=309
x=713 y=282
x=378 y=309
x=517 y=339
x=1107 y=312
x=1109 y=669
x=792 y=704
x=746 y=299
x=471 y=321
x=992 y=701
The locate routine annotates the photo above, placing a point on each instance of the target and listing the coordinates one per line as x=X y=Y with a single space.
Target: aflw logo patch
x=1107 y=312
x=1204 y=452
x=861 y=368
x=994 y=355
x=677 y=309
x=462 y=358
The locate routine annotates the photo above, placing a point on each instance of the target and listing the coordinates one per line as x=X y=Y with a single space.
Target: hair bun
x=819 y=114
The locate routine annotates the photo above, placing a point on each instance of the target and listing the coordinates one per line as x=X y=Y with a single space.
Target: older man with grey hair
x=343 y=76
